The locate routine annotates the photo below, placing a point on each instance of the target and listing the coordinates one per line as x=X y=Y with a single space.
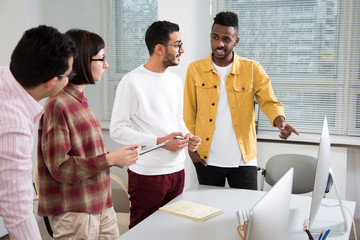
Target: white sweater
x=149 y=105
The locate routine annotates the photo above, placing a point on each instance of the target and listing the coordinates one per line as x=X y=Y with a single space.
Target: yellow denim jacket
x=246 y=80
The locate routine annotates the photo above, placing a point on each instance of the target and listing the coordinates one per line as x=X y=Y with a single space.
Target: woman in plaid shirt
x=74 y=183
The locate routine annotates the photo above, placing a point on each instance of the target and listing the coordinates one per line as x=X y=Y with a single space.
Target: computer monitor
x=314 y=223
x=273 y=207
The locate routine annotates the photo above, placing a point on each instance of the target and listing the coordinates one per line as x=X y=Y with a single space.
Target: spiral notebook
x=191 y=210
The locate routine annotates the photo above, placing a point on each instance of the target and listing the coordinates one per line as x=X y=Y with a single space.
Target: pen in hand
x=143 y=146
x=180 y=137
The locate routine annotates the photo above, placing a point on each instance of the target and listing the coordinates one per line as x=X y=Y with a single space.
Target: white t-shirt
x=224 y=149
x=149 y=105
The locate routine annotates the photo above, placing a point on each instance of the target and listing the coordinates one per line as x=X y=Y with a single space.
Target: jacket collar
x=234 y=69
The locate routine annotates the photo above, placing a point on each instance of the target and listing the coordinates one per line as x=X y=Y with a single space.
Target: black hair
x=226 y=19
x=87 y=45
x=41 y=54
x=159 y=33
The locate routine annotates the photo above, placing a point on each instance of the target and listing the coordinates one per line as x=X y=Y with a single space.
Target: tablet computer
x=154 y=148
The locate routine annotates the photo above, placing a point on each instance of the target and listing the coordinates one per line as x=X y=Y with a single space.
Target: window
x=311 y=51
x=126 y=49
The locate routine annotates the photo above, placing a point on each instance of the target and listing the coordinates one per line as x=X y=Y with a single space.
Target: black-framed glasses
x=179 y=45
x=69 y=76
x=101 y=61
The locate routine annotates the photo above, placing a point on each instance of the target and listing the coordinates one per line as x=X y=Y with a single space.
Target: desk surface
x=164 y=226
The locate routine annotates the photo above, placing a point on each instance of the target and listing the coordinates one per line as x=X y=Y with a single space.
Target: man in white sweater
x=148 y=110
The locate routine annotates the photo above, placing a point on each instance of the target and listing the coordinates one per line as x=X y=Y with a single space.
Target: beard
x=170 y=60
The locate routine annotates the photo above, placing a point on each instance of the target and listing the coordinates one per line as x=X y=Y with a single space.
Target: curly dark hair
x=41 y=54
x=226 y=19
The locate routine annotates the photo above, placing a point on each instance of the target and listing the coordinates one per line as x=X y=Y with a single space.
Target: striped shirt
x=73 y=171
x=19 y=112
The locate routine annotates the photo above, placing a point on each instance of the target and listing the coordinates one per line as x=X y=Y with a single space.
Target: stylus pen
x=321 y=234
x=143 y=146
x=326 y=234
x=179 y=137
x=308 y=232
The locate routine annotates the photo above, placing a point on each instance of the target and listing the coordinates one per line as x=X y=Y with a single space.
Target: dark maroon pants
x=149 y=193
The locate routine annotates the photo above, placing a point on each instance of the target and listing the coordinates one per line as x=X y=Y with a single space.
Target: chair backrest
x=116 y=179
x=36 y=183
x=304 y=171
x=123 y=218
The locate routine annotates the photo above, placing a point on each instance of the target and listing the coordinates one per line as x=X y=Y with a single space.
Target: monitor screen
x=273 y=207
x=323 y=169
x=322 y=172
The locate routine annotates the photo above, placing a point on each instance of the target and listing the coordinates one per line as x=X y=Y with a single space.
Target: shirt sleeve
x=265 y=95
x=125 y=106
x=16 y=190
x=190 y=101
x=55 y=149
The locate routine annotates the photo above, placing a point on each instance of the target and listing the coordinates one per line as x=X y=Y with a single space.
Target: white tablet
x=156 y=147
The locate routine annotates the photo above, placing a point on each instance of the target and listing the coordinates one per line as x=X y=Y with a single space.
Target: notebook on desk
x=191 y=210
x=268 y=219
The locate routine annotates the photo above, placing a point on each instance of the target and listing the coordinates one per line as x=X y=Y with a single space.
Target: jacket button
x=215 y=86
x=213 y=104
x=243 y=89
x=203 y=84
x=210 y=120
x=205 y=157
x=207 y=139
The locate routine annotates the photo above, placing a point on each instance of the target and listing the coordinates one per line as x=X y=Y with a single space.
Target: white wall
x=193 y=18
x=15 y=17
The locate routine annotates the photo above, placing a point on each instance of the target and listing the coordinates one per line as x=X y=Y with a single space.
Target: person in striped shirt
x=73 y=165
x=39 y=68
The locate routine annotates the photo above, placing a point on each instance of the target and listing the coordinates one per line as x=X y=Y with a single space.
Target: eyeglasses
x=100 y=61
x=69 y=76
x=179 y=45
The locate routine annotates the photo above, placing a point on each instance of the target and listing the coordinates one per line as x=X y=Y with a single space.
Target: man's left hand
x=286 y=130
x=194 y=142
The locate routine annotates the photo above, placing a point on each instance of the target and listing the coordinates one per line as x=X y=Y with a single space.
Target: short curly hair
x=226 y=19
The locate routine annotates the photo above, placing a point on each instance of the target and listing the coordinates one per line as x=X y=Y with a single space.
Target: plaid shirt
x=73 y=172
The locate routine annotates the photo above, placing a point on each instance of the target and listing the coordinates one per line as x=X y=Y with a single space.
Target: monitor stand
x=336 y=227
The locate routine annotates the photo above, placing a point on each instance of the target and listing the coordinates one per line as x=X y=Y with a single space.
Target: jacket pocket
x=204 y=91
x=244 y=94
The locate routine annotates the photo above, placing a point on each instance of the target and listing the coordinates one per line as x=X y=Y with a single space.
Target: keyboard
x=243 y=216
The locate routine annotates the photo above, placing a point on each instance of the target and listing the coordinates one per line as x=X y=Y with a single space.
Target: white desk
x=164 y=226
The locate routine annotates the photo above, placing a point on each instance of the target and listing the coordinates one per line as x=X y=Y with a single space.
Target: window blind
x=311 y=51
x=126 y=50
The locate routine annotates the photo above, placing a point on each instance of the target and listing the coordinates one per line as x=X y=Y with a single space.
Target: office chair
x=36 y=186
x=123 y=218
x=304 y=172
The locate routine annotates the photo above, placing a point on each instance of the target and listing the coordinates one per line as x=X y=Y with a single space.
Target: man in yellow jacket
x=219 y=108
